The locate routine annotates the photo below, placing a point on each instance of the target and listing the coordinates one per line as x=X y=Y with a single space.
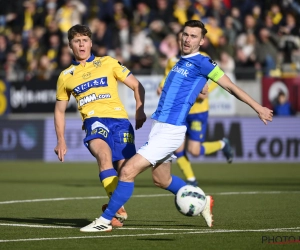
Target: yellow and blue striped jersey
x=200 y=106
x=94 y=86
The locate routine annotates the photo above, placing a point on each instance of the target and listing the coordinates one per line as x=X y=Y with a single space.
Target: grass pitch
x=43 y=205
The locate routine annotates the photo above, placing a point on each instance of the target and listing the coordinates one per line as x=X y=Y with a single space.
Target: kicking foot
x=96 y=226
x=207 y=211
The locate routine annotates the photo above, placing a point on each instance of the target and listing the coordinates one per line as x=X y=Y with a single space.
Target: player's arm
x=264 y=113
x=139 y=95
x=59 y=123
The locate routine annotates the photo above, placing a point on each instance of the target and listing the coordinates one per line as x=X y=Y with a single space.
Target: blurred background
x=256 y=43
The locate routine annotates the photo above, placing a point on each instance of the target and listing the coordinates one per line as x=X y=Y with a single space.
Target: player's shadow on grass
x=49 y=221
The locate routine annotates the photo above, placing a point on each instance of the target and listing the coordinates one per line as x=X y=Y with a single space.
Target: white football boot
x=207 y=211
x=96 y=226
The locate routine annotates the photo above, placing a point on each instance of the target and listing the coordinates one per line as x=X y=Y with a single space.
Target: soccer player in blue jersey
x=93 y=81
x=184 y=83
x=197 y=122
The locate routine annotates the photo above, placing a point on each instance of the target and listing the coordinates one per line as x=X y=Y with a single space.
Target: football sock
x=119 y=197
x=211 y=147
x=109 y=180
x=185 y=166
x=175 y=184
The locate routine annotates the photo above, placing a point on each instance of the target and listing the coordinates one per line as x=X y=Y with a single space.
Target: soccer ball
x=190 y=200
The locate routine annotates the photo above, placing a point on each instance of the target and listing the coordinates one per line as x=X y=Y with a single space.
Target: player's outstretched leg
x=227 y=150
x=207 y=211
x=96 y=226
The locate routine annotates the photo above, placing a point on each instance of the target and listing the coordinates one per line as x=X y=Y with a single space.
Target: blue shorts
x=117 y=133
x=196 y=126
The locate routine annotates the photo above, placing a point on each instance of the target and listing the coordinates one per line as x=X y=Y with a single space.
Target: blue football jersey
x=182 y=86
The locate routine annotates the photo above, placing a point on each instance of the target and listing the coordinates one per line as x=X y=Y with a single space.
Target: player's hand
x=265 y=115
x=158 y=90
x=205 y=89
x=140 y=118
x=61 y=150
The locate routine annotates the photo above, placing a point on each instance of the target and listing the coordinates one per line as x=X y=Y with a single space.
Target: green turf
x=242 y=218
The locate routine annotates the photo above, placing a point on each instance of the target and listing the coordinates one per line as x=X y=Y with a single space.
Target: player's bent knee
x=127 y=174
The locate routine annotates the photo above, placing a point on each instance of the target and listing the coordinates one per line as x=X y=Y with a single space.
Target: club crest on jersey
x=86 y=75
x=97 y=63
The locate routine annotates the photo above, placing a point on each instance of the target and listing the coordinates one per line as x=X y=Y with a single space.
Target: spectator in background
x=169 y=46
x=124 y=34
x=266 y=52
x=237 y=24
x=45 y=68
x=275 y=14
x=227 y=64
x=13 y=69
x=163 y=12
x=214 y=32
x=218 y=11
x=224 y=46
x=183 y=11
x=229 y=31
x=158 y=31
x=64 y=58
x=50 y=12
x=102 y=35
x=282 y=106
x=68 y=15
x=289 y=38
x=245 y=53
x=201 y=7
x=142 y=50
x=142 y=15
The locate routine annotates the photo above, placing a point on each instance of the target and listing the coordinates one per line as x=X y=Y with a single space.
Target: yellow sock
x=211 y=147
x=110 y=184
x=186 y=167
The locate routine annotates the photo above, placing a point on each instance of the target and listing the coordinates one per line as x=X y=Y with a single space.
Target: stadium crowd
x=244 y=36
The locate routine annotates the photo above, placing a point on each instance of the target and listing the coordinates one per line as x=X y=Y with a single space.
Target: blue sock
x=175 y=184
x=202 y=150
x=180 y=154
x=119 y=197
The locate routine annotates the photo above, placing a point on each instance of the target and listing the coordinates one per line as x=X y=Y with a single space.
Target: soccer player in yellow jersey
x=93 y=81
x=197 y=122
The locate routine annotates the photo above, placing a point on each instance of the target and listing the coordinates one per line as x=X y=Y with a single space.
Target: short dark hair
x=196 y=23
x=79 y=29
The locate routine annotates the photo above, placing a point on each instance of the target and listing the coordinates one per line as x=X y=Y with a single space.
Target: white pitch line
x=296 y=229
x=144 y=196
x=28 y=225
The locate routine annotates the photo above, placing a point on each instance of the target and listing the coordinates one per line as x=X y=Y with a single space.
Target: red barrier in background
x=271 y=86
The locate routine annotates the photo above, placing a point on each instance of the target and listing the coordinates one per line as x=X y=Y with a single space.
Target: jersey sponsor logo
x=92 y=97
x=127 y=137
x=86 y=75
x=181 y=71
x=71 y=71
x=96 y=83
x=188 y=64
x=97 y=63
